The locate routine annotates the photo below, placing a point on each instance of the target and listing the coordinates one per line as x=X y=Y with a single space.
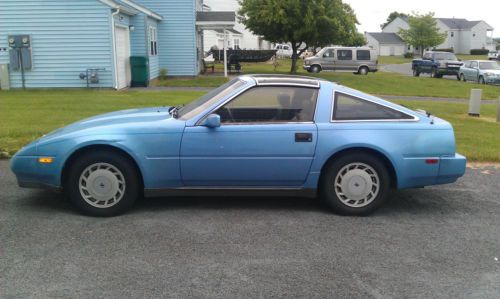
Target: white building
x=462 y=36
x=240 y=36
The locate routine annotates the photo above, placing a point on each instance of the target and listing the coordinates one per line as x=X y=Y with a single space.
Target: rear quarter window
x=344 y=54
x=363 y=55
x=350 y=108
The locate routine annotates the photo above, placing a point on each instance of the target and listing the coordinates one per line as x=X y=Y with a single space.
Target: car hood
x=130 y=120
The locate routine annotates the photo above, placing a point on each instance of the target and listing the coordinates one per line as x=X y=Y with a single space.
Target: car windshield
x=489 y=65
x=202 y=103
x=445 y=56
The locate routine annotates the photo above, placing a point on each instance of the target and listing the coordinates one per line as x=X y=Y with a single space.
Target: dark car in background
x=438 y=64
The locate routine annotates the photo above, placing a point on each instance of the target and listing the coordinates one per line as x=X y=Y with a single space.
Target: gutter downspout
x=115 y=62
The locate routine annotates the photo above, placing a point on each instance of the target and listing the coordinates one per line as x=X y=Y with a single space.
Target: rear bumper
x=451 y=168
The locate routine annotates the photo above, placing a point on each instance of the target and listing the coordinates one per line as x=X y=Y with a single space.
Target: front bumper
x=492 y=80
x=306 y=67
x=448 y=71
x=32 y=174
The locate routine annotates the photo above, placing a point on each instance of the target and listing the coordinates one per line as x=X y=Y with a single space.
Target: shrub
x=450 y=50
x=479 y=52
x=163 y=74
x=408 y=55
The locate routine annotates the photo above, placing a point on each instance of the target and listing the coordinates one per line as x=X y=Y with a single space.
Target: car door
x=267 y=137
x=344 y=60
x=473 y=71
x=328 y=60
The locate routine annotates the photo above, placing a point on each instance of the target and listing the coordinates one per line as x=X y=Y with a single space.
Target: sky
x=372 y=13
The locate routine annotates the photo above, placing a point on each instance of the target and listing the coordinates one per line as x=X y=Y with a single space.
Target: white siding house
x=462 y=35
x=386 y=44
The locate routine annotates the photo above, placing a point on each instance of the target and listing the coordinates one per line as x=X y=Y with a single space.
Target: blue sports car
x=256 y=135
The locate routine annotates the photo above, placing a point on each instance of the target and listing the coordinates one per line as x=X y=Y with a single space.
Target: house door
x=393 y=51
x=122 y=57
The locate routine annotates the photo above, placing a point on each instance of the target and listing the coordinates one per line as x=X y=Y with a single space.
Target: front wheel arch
x=98 y=148
x=365 y=150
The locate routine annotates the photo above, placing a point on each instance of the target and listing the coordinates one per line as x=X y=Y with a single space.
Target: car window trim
x=334 y=98
x=198 y=123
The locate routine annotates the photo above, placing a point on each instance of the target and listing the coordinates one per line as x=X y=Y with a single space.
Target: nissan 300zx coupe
x=258 y=135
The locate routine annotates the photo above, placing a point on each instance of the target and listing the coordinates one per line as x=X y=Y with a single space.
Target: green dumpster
x=140 y=71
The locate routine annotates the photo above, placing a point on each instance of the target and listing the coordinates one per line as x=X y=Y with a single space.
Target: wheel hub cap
x=102 y=185
x=357 y=185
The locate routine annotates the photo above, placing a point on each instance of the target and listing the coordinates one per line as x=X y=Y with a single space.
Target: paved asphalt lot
x=434 y=242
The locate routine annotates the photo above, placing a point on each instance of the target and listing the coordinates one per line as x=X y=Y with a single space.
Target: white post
x=498 y=110
x=225 y=53
x=475 y=102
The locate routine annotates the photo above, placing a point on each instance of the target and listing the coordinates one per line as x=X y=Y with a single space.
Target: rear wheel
x=102 y=183
x=355 y=184
x=363 y=70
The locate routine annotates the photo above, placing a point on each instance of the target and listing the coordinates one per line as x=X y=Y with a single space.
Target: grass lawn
x=472 y=57
x=27 y=115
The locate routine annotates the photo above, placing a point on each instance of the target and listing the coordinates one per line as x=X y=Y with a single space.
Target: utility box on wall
x=20 y=52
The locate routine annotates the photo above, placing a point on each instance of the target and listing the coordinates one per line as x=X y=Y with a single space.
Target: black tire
x=458 y=78
x=329 y=176
x=434 y=73
x=462 y=77
x=363 y=70
x=130 y=178
x=315 y=69
x=480 y=80
x=416 y=73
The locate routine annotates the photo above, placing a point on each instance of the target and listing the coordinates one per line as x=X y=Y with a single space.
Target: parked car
x=360 y=60
x=437 y=64
x=256 y=135
x=494 y=55
x=481 y=71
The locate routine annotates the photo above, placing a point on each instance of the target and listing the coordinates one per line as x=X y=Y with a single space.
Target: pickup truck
x=437 y=64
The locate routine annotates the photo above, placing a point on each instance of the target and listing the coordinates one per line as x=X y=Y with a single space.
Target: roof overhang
x=213 y=20
x=132 y=8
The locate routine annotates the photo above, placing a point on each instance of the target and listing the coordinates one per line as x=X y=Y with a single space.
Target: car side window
x=363 y=55
x=473 y=64
x=467 y=64
x=427 y=56
x=329 y=53
x=344 y=54
x=271 y=104
x=350 y=108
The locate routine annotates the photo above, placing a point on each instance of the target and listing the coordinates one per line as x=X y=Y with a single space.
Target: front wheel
x=103 y=184
x=481 y=80
x=315 y=69
x=355 y=184
x=416 y=73
x=462 y=77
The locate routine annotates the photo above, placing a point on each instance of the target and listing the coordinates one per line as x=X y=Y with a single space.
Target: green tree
x=302 y=23
x=392 y=16
x=357 y=40
x=423 y=32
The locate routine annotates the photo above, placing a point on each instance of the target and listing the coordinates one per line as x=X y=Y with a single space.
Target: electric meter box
x=20 y=52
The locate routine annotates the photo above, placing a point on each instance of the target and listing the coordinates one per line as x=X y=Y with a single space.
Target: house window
x=409 y=47
x=474 y=34
x=452 y=34
x=236 y=43
x=349 y=108
x=153 y=41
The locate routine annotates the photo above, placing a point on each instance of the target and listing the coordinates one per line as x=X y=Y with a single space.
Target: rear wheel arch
x=365 y=67
x=365 y=150
x=98 y=148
